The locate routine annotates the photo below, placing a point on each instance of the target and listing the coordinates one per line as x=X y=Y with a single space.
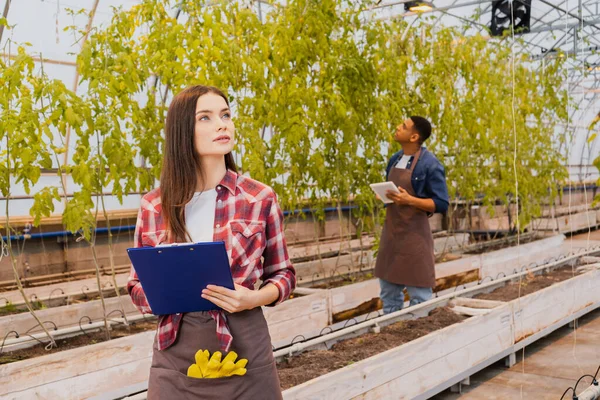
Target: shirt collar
x=229 y=181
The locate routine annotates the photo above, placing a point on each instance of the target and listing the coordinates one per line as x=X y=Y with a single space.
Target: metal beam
x=558 y=27
x=43 y=60
x=565 y=11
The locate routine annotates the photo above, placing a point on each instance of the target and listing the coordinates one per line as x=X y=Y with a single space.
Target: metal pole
x=4 y=15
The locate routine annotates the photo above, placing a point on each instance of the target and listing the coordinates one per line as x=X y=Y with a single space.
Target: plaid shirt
x=248 y=219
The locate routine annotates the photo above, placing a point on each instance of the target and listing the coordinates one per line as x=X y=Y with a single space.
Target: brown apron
x=251 y=340
x=406 y=247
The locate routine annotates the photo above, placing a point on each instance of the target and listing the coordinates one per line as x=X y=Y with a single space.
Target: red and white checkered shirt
x=248 y=219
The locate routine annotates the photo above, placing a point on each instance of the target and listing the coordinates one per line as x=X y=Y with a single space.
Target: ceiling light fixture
x=418 y=6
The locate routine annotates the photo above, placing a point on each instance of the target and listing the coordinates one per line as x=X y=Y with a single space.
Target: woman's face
x=214 y=133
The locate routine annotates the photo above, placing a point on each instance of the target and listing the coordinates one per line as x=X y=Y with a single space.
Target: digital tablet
x=381 y=189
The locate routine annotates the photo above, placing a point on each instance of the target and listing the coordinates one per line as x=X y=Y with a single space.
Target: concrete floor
x=552 y=364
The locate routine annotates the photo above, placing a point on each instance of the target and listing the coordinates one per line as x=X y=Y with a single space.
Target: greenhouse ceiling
x=569 y=28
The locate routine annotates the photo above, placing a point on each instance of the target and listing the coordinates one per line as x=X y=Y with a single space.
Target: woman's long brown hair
x=181 y=163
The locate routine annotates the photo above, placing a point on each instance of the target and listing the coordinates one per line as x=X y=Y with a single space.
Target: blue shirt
x=428 y=178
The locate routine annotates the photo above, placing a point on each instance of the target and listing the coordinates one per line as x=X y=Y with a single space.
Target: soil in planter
x=529 y=284
x=313 y=364
x=10 y=308
x=345 y=280
x=93 y=337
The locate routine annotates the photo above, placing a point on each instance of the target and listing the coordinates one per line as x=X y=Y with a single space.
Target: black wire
x=579 y=380
x=6 y=337
x=566 y=391
x=52 y=292
x=45 y=322
x=350 y=320
x=80 y=327
x=300 y=341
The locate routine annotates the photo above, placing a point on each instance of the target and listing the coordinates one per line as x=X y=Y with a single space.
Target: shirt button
x=220 y=201
x=218 y=187
x=218 y=226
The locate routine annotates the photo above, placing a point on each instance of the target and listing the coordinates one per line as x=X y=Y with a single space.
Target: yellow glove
x=213 y=367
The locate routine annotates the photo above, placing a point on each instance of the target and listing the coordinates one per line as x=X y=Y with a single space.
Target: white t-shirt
x=200 y=216
x=404 y=162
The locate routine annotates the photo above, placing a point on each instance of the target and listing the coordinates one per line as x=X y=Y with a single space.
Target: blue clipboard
x=173 y=276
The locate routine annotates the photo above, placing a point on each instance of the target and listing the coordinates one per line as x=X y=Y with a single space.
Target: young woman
x=202 y=198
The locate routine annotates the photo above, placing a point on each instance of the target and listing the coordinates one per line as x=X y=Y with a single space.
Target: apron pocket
x=168 y=380
x=261 y=382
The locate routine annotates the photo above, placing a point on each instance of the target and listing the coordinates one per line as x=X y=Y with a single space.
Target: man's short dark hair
x=423 y=127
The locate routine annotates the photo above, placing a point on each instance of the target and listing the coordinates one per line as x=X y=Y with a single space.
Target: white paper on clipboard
x=381 y=189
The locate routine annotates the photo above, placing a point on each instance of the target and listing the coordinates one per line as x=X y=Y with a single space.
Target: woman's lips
x=222 y=139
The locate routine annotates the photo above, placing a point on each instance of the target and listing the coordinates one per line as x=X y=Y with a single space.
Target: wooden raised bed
x=80 y=373
x=63 y=293
x=493 y=335
x=565 y=223
x=412 y=368
x=315 y=312
x=438 y=360
x=361 y=298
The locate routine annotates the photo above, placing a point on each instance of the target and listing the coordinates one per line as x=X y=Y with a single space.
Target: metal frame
x=558 y=28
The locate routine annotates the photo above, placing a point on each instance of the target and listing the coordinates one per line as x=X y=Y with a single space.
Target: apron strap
x=412 y=165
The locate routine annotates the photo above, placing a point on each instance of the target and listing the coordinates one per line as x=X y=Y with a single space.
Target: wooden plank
x=450 y=242
x=505 y=261
x=317 y=270
x=470 y=311
x=69 y=290
x=330 y=246
x=545 y=307
x=449 y=268
x=458 y=279
x=305 y=291
x=440 y=370
x=66 y=316
x=49 y=371
x=475 y=303
x=346 y=297
x=446 y=348
x=91 y=384
x=569 y=223
x=291 y=309
x=559 y=211
x=312 y=324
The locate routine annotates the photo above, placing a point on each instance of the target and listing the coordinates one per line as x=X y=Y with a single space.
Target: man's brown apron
x=406 y=248
x=251 y=340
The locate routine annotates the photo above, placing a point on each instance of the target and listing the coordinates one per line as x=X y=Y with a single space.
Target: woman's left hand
x=229 y=300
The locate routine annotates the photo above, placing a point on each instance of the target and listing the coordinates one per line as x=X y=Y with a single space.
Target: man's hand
x=232 y=301
x=400 y=199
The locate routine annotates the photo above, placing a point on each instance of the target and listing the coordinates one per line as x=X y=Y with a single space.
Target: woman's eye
x=203 y=118
x=226 y=115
